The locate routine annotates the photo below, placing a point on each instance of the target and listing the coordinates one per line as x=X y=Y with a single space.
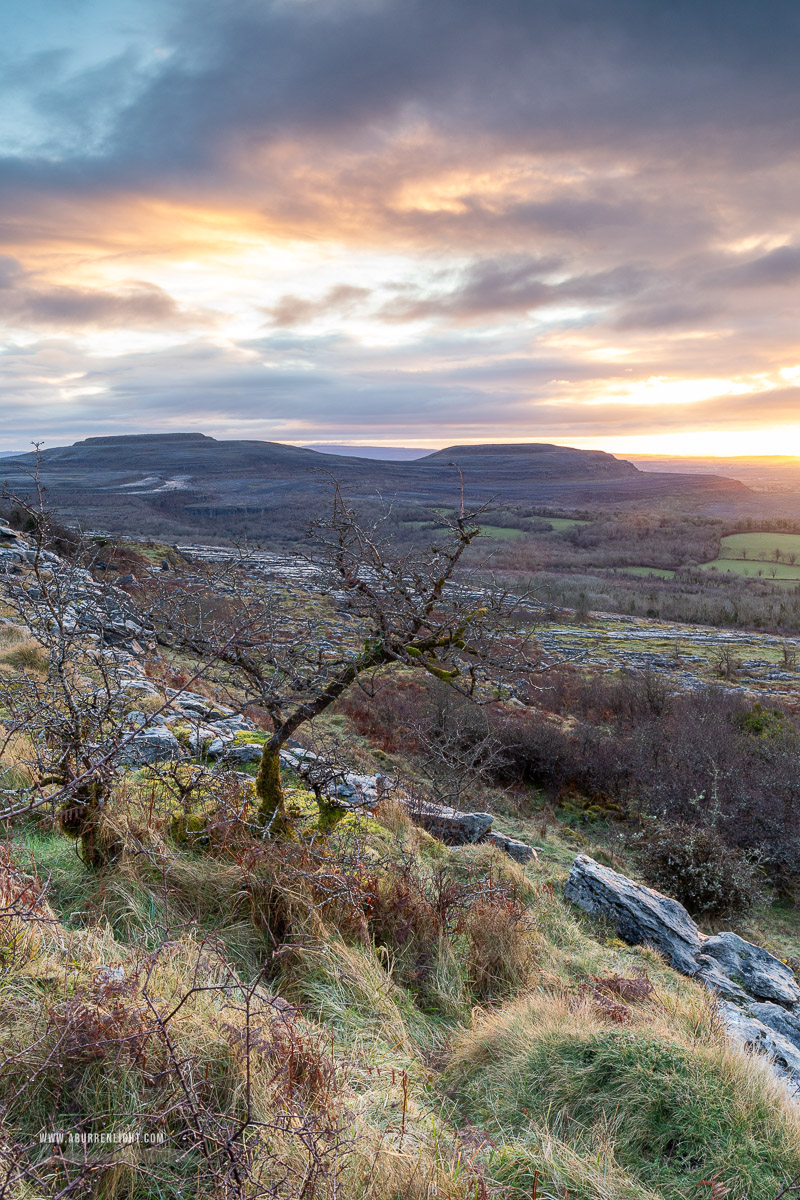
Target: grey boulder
x=711 y=975
x=154 y=744
x=520 y=851
x=450 y=826
x=642 y=916
x=758 y=1036
x=247 y=753
x=786 y=1023
x=754 y=969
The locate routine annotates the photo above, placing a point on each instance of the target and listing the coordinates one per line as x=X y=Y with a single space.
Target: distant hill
x=188 y=484
x=384 y=453
x=539 y=460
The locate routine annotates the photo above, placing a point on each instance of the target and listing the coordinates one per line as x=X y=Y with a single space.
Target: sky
x=402 y=222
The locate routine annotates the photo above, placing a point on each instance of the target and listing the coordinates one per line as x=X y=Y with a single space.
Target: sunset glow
x=316 y=221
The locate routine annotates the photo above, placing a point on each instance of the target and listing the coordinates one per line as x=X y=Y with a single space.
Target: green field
x=561 y=523
x=754 y=555
x=500 y=533
x=754 y=569
x=760 y=546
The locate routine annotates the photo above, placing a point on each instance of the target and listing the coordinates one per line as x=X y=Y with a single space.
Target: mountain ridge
x=184 y=483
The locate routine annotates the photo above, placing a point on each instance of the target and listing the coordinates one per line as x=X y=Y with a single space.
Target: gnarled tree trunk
x=269 y=789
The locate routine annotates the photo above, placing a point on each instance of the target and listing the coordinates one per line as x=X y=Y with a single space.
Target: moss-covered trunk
x=269 y=789
x=82 y=816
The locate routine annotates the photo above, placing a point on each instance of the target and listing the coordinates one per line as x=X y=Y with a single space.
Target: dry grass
x=23 y=653
x=436 y=1015
x=666 y=1101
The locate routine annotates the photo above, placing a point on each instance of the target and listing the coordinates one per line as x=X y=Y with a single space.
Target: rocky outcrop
x=352 y=790
x=754 y=969
x=521 y=852
x=641 y=915
x=756 y=1035
x=188 y=724
x=780 y=1020
x=155 y=743
x=759 y=996
x=449 y=825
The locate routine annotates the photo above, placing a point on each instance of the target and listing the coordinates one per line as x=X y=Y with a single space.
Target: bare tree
x=294 y=650
x=69 y=681
x=456 y=750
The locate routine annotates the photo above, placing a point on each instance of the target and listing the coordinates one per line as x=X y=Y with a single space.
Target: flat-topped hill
x=179 y=482
x=541 y=459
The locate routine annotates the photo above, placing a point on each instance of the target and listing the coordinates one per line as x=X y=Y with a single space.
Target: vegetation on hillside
x=367 y=1014
x=195 y=1002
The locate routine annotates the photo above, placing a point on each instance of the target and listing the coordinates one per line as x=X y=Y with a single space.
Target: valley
x=411 y=922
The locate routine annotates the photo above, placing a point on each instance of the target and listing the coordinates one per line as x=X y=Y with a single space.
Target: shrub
x=444 y=923
x=29 y=656
x=693 y=864
x=763 y=722
x=501 y=949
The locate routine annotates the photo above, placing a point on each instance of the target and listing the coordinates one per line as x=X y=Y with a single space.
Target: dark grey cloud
x=636 y=160
x=778 y=268
x=668 y=79
x=565 y=73
x=294 y=310
x=515 y=284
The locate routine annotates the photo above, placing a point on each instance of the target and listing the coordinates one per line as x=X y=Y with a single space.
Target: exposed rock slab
x=781 y=1020
x=757 y=1036
x=248 y=752
x=352 y=790
x=519 y=851
x=642 y=916
x=154 y=744
x=757 y=971
x=758 y=995
x=450 y=826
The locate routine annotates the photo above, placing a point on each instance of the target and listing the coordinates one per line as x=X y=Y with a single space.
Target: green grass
x=72 y=889
x=753 y=554
x=594 y=1110
x=661 y=1109
x=760 y=545
x=559 y=524
x=752 y=569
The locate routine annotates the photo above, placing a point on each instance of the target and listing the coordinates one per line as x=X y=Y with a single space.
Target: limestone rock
x=450 y=826
x=758 y=1036
x=520 y=851
x=782 y=1020
x=708 y=972
x=751 y=967
x=154 y=744
x=642 y=916
x=247 y=753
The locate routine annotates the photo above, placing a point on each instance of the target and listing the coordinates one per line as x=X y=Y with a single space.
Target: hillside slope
x=190 y=483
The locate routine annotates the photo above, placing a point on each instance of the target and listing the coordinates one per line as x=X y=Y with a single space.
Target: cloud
x=777 y=268
x=293 y=310
x=25 y=302
x=517 y=284
x=500 y=209
x=75 y=308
